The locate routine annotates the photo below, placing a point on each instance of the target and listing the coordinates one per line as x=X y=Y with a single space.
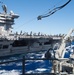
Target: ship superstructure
x=6 y=21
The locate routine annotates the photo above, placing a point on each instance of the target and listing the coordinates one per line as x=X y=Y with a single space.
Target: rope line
x=36 y=17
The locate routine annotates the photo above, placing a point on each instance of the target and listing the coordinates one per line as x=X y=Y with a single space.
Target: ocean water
x=31 y=66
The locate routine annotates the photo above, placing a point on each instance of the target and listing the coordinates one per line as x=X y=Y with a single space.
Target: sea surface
x=31 y=66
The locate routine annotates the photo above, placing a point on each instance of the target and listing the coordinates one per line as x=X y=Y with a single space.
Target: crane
x=58 y=59
x=61 y=50
x=53 y=11
x=59 y=54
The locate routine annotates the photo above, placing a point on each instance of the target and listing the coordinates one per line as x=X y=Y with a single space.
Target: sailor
x=48 y=54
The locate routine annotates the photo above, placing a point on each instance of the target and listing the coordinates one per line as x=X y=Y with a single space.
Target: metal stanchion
x=23 y=65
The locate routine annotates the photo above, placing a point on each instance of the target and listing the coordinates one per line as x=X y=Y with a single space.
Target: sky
x=28 y=10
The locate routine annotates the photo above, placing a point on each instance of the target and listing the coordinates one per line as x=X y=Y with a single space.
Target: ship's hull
x=11 y=47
